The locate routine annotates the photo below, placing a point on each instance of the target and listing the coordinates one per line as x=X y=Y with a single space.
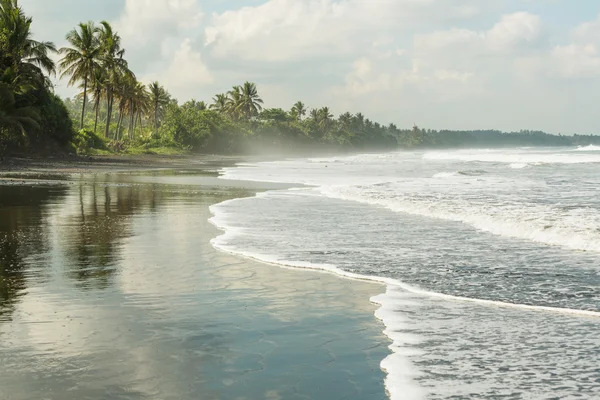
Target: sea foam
x=402 y=374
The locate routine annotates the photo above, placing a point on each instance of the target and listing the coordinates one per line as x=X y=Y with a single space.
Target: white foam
x=591 y=147
x=513 y=157
x=519 y=165
x=401 y=373
x=445 y=174
x=577 y=231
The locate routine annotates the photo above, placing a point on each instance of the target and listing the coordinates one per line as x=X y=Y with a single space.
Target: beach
x=110 y=288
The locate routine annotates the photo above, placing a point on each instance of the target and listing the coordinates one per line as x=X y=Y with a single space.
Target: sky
x=439 y=64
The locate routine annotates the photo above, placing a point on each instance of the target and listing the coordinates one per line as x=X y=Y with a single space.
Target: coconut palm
x=113 y=63
x=159 y=98
x=299 y=110
x=97 y=87
x=219 y=103
x=12 y=117
x=345 y=121
x=250 y=103
x=234 y=99
x=196 y=105
x=82 y=58
x=27 y=57
x=325 y=118
x=140 y=103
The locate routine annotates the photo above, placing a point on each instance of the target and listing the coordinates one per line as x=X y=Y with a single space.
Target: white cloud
x=280 y=30
x=187 y=73
x=514 y=30
x=143 y=22
x=576 y=60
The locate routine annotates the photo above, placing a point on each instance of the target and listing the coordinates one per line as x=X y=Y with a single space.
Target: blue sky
x=458 y=64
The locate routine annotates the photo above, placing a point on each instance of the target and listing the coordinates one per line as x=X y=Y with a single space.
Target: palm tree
x=195 y=104
x=325 y=118
x=219 y=103
x=12 y=117
x=27 y=58
x=159 y=99
x=234 y=99
x=299 y=110
x=140 y=103
x=114 y=65
x=345 y=121
x=97 y=83
x=82 y=58
x=250 y=103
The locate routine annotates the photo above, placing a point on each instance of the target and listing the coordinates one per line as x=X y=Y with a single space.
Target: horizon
x=456 y=65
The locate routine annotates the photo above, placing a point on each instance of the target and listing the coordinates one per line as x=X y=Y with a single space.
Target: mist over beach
x=299 y=199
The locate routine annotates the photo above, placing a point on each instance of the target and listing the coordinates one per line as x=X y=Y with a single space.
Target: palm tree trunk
x=156 y=119
x=133 y=119
x=97 y=112
x=84 y=99
x=119 y=125
x=109 y=101
x=130 y=126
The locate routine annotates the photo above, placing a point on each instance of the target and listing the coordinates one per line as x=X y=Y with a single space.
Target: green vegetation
x=114 y=112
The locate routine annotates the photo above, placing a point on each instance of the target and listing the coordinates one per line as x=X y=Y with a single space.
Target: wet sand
x=109 y=288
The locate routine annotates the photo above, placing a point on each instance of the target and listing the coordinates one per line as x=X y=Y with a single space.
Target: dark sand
x=109 y=288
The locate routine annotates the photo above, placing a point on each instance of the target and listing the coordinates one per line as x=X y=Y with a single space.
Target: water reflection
x=110 y=289
x=93 y=237
x=22 y=218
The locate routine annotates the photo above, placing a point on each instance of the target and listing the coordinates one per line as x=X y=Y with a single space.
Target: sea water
x=490 y=257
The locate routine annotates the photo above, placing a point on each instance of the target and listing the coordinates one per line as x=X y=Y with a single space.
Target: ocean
x=490 y=257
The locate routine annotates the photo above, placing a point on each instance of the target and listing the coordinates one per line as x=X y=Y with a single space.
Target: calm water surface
x=109 y=288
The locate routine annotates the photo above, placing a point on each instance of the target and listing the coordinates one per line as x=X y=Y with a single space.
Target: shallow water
x=109 y=288
x=492 y=259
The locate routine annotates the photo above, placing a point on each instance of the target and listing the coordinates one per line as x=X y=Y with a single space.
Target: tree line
x=115 y=111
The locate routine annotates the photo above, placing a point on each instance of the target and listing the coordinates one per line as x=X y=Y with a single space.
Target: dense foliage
x=114 y=111
x=29 y=110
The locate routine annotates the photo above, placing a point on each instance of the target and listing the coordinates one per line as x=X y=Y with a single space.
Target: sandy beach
x=110 y=289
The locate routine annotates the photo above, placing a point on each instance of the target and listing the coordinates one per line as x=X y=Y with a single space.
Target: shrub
x=86 y=140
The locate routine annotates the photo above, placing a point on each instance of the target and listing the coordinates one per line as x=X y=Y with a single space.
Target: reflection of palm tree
x=22 y=221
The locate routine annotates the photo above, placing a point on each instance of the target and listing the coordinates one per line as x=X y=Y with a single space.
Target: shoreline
x=261 y=273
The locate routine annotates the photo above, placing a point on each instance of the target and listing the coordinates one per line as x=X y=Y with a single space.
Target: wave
x=519 y=165
x=222 y=243
x=590 y=147
x=468 y=172
x=515 y=223
x=401 y=376
x=538 y=158
x=445 y=174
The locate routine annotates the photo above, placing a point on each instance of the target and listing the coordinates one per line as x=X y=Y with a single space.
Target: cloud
x=146 y=26
x=143 y=22
x=280 y=30
x=186 y=74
